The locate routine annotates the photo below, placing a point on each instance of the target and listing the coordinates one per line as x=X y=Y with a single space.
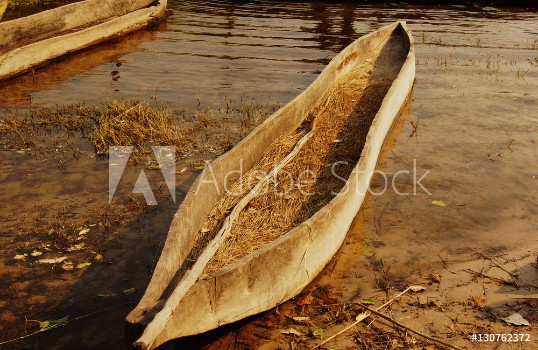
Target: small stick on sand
x=375 y=312
x=362 y=316
x=502 y=267
x=495 y=279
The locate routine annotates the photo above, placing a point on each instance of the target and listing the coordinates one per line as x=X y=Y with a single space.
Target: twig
x=443 y=261
x=502 y=267
x=401 y=160
x=414 y=131
x=510 y=144
x=377 y=313
x=377 y=223
x=41 y=330
x=235 y=339
x=455 y=322
x=359 y=319
x=496 y=279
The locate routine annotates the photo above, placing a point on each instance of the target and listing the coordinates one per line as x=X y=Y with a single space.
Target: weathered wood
x=30 y=41
x=282 y=268
x=154 y=328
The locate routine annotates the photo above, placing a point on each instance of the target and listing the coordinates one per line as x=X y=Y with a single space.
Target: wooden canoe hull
x=283 y=268
x=34 y=40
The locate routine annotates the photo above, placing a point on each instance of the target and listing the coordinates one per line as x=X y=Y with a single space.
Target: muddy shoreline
x=53 y=231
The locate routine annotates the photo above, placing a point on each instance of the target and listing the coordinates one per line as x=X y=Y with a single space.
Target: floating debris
x=417 y=288
x=516 y=319
x=76 y=247
x=291 y=331
x=129 y=291
x=83 y=265
x=53 y=260
x=367 y=301
x=67 y=266
x=52 y=323
x=301 y=319
x=436 y=277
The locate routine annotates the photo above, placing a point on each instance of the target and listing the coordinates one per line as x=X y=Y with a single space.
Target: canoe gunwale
x=206 y=294
x=20 y=59
x=164 y=272
x=360 y=164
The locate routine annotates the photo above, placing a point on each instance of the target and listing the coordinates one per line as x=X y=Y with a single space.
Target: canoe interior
x=62 y=20
x=244 y=287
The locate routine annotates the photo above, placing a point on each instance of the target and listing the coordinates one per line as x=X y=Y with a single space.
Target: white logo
x=118 y=159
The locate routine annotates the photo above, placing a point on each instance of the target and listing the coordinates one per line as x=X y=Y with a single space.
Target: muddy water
x=474 y=110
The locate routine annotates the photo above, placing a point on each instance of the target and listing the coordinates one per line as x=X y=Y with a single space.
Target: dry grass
x=238 y=190
x=20 y=8
x=123 y=123
x=74 y=129
x=371 y=334
x=378 y=338
x=340 y=123
x=306 y=184
x=69 y=128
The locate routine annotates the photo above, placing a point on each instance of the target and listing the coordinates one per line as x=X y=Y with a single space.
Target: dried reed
x=125 y=123
x=129 y=123
x=341 y=121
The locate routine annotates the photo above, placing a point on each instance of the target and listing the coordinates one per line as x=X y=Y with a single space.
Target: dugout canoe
x=281 y=269
x=34 y=40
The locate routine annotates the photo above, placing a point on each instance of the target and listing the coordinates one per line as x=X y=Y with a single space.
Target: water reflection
x=264 y=50
x=106 y=62
x=333 y=28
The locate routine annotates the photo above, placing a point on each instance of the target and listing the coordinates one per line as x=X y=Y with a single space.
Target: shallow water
x=265 y=50
x=474 y=100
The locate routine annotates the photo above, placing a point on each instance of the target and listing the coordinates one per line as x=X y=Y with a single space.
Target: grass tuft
x=69 y=131
x=130 y=123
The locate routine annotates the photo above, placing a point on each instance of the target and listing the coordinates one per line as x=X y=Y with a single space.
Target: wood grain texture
x=281 y=269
